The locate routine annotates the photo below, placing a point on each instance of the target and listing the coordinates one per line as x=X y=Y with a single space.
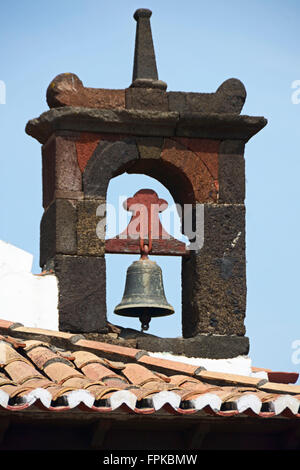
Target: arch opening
x=120 y=188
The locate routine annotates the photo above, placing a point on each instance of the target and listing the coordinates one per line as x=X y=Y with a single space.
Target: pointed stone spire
x=144 y=70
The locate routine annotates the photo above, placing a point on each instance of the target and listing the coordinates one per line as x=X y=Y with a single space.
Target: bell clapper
x=144 y=252
x=145 y=320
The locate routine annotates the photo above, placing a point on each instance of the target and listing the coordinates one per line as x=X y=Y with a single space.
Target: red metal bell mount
x=145 y=228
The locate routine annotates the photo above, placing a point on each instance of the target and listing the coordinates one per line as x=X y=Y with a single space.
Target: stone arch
x=111 y=159
x=188 y=168
x=128 y=154
x=105 y=163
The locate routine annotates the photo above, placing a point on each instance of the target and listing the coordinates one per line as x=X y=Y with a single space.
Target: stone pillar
x=68 y=242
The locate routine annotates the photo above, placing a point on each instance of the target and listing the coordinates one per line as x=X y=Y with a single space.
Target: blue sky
x=198 y=45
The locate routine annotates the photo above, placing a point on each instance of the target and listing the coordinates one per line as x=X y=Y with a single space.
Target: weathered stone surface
x=213 y=294
x=60 y=168
x=216 y=347
x=169 y=175
x=63 y=84
x=142 y=122
x=58 y=230
x=86 y=143
x=67 y=89
x=157 y=344
x=203 y=346
x=49 y=171
x=224 y=229
x=214 y=278
x=231 y=172
x=64 y=194
x=197 y=159
x=82 y=293
x=232 y=147
x=150 y=99
x=88 y=241
x=107 y=161
x=218 y=126
x=115 y=121
x=150 y=147
x=229 y=98
x=144 y=55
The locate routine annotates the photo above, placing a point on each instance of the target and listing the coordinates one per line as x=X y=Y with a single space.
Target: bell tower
x=193 y=143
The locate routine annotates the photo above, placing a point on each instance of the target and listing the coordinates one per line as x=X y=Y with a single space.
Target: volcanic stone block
x=150 y=99
x=66 y=89
x=90 y=239
x=60 y=168
x=224 y=230
x=157 y=344
x=216 y=346
x=231 y=172
x=229 y=98
x=82 y=293
x=213 y=294
x=204 y=346
x=214 y=277
x=150 y=147
x=58 y=230
x=144 y=55
x=107 y=161
x=197 y=159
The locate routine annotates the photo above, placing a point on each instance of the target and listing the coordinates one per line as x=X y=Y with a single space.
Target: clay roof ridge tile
x=32 y=344
x=16 y=343
x=289 y=389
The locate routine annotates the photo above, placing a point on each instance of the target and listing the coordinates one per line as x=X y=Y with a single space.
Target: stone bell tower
x=193 y=143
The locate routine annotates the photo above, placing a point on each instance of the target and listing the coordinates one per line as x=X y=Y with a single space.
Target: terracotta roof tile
x=37 y=372
x=168 y=365
x=20 y=371
x=82 y=358
x=283 y=377
x=230 y=378
x=281 y=388
x=59 y=372
x=112 y=349
x=278 y=377
x=8 y=354
x=184 y=381
x=40 y=331
x=6 y=323
x=95 y=371
x=139 y=375
x=93 y=368
x=115 y=381
x=43 y=356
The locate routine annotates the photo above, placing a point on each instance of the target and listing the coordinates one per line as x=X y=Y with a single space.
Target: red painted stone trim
x=87 y=142
x=198 y=160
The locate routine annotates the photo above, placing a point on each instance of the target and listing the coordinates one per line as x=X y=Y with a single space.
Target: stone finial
x=144 y=69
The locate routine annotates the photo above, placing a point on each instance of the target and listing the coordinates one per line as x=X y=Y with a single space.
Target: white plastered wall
x=25 y=297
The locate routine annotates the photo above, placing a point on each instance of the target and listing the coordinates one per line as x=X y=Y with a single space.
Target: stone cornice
x=147 y=123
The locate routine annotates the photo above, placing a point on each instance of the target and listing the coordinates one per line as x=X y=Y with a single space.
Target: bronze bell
x=144 y=295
